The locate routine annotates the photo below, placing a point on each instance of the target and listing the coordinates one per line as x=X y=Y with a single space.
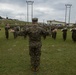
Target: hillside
x=11 y=22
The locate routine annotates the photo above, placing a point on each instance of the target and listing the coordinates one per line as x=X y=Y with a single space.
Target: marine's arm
x=44 y=33
x=25 y=32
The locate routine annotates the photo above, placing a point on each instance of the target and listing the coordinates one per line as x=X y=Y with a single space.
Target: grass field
x=58 y=56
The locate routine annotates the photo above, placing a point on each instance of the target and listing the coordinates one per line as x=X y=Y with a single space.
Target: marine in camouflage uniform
x=73 y=34
x=16 y=29
x=64 y=30
x=54 y=32
x=7 y=27
x=35 y=32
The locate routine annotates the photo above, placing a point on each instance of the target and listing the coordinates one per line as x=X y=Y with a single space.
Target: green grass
x=58 y=56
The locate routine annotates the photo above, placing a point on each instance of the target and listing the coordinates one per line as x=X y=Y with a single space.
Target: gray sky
x=42 y=9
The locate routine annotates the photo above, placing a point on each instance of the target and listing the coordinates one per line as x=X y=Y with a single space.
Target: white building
x=58 y=23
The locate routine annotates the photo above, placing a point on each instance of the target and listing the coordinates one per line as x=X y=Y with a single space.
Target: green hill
x=3 y=22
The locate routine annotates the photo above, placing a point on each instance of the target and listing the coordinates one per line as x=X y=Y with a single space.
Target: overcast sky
x=42 y=9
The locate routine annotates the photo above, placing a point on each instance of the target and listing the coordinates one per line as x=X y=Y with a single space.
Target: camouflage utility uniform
x=74 y=34
x=64 y=33
x=54 y=33
x=7 y=27
x=35 y=32
x=16 y=30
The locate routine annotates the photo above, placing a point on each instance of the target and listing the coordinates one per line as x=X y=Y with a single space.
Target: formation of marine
x=35 y=31
x=19 y=31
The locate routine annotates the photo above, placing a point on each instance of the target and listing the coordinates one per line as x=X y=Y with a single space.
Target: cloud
x=43 y=9
x=12 y=11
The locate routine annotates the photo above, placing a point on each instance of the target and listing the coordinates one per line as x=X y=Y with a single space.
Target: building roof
x=55 y=21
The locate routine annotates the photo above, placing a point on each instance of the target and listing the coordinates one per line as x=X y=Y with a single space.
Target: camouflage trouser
x=35 y=56
x=64 y=36
x=54 y=35
x=74 y=37
x=7 y=35
x=15 y=35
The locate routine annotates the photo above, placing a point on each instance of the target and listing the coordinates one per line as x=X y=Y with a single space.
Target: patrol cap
x=34 y=19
